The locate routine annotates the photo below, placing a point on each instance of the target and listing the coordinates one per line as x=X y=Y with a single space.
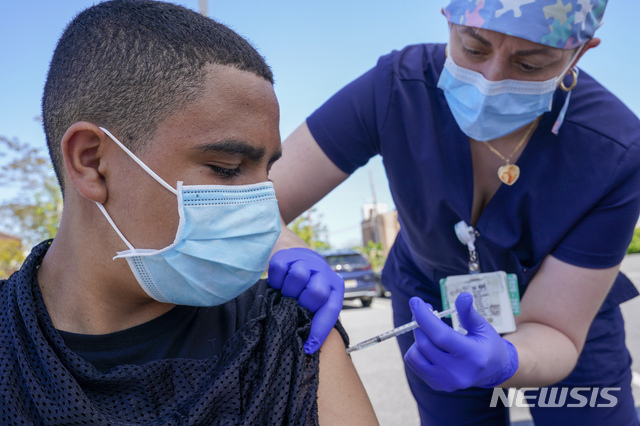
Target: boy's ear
x=82 y=149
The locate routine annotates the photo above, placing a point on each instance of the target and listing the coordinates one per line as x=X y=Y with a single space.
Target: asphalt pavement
x=382 y=371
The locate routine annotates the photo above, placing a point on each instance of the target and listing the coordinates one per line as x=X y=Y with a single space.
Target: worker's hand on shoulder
x=304 y=275
x=448 y=360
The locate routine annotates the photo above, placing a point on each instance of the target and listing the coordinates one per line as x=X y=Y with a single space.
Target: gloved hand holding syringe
x=395 y=332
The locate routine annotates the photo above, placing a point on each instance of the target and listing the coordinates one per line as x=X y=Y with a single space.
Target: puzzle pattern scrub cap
x=565 y=24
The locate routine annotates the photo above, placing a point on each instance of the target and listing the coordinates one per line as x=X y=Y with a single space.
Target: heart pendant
x=509 y=174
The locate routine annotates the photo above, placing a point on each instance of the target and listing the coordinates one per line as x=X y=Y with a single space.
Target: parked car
x=359 y=279
x=382 y=290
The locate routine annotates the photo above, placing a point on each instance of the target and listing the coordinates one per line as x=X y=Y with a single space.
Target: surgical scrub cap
x=557 y=23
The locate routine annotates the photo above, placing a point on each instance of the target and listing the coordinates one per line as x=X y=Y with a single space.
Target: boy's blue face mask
x=222 y=245
x=487 y=110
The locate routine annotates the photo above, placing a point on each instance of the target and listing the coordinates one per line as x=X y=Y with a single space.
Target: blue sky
x=313 y=47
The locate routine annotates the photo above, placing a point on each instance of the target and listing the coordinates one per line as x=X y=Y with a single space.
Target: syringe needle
x=395 y=332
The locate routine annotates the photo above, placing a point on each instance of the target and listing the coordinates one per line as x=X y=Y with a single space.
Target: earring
x=573 y=84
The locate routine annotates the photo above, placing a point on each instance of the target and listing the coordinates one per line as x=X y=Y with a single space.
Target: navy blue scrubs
x=577 y=198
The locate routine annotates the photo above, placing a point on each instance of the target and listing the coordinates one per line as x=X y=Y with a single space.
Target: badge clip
x=467 y=235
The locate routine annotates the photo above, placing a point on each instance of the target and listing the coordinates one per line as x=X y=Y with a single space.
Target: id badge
x=495 y=297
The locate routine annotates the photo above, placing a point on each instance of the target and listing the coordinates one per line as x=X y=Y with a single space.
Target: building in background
x=379 y=225
x=4 y=236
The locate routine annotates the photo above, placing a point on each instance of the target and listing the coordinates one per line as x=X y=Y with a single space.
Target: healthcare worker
x=498 y=141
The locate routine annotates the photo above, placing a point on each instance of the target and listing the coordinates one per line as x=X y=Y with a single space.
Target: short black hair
x=128 y=64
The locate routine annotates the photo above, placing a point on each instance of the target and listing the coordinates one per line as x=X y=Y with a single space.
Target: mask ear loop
x=140 y=163
x=573 y=72
x=113 y=225
x=563 y=111
x=146 y=169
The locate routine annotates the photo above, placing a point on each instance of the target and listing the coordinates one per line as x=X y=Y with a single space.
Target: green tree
x=634 y=247
x=375 y=253
x=34 y=213
x=309 y=227
x=11 y=256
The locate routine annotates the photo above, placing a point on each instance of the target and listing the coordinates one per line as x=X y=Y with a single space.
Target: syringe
x=395 y=332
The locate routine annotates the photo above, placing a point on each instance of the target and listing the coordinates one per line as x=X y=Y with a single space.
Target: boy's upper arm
x=342 y=399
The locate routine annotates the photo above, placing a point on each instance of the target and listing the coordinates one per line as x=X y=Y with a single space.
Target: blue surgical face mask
x=222 y=245
x=487 y=110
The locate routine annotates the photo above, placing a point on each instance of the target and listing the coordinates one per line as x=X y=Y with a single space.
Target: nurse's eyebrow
x=540 y=51
x=527 y=52
x=473 y=33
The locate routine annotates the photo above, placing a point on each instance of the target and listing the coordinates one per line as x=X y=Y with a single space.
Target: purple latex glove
x=304 y=275
x=448 y=360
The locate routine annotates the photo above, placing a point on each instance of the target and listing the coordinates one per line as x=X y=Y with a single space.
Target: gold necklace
x=509 y=173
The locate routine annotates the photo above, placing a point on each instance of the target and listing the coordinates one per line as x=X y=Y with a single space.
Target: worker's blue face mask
x=222 y=245
x=487 y=110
